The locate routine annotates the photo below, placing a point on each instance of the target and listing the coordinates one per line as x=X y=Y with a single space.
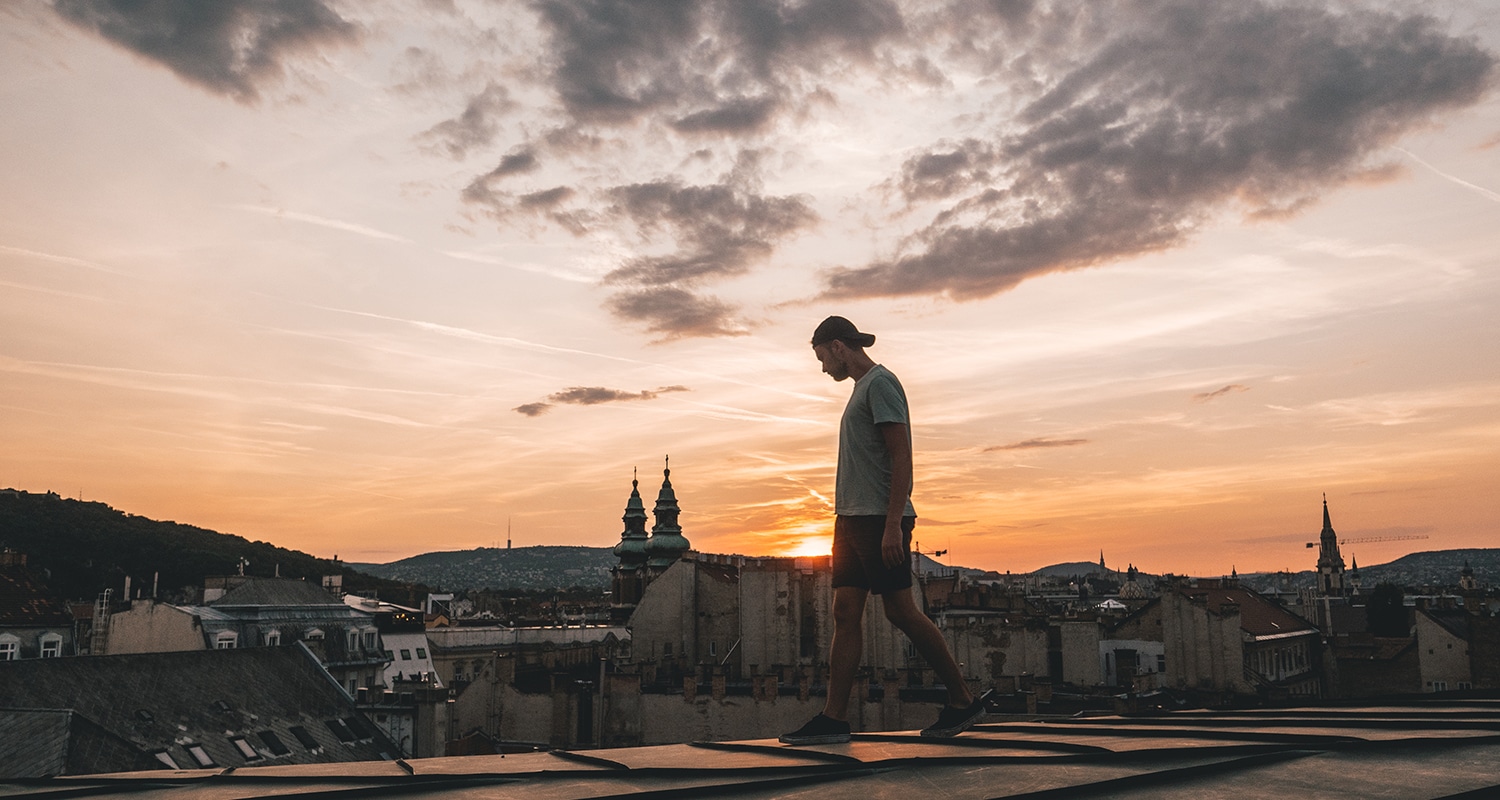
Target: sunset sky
x=381 y=278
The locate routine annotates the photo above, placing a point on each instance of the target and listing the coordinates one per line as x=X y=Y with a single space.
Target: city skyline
x=382 y=279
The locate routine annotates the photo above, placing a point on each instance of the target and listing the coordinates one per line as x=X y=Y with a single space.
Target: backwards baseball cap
x=842 y=329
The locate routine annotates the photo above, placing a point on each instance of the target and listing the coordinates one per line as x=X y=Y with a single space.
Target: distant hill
x=83 y=548
x=1068 y=570
x=1433 y=568
x=536 y=567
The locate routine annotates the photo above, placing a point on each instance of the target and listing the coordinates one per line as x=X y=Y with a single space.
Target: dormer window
x=226 y=640
x=273 y=638
x=313 y=635
x=51 y=645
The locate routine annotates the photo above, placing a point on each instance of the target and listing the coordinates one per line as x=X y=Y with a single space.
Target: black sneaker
x=819 y=730
x=953 y=721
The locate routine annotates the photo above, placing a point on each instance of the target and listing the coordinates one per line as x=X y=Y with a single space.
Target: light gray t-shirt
x=864 y=476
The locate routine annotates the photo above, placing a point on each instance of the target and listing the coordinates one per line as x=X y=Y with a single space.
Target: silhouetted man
x=872 y=537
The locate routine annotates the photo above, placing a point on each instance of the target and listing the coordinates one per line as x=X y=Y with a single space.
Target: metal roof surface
x=1417 y=749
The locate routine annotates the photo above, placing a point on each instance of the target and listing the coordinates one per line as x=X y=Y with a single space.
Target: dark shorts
x=856 y=555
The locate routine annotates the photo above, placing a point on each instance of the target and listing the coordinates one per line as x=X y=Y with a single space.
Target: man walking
x=872 y=537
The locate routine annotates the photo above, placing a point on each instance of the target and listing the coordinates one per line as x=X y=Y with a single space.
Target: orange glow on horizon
x=809 y=546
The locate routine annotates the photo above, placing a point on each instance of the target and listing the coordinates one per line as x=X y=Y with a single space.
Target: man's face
x=832 y=356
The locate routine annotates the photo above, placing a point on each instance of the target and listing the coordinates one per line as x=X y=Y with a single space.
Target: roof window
x=305 y=738
x=246 y=749
x=273 y=743
x=200 y=755
x=340 y=730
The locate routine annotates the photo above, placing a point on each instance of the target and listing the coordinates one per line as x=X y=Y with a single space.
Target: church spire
x=667 y=543
x=1330 y=561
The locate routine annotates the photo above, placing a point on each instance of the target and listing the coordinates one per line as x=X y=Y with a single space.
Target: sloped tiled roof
x=25 y=601
x=40 y=742
x=160 y=701
x=1408 y=750
x=35 y=742
x=1452 y=620
x=1258 y=616
x=277 y=592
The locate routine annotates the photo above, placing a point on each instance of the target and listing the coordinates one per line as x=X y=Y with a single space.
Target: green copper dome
x=632 y=547
x=667 y=544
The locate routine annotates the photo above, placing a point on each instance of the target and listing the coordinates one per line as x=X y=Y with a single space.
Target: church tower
x=667 y=544
x=628 y=576
x=1468 y=586
x=1330 y=562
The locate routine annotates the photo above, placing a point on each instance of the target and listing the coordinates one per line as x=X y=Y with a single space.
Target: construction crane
x=1368 y=539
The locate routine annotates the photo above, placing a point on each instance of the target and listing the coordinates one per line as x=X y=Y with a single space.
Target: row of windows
x=1442 y=686
x=10 y=647
x=271 y=745
x=229 y=640
x=406 y=654
x=1280 y=661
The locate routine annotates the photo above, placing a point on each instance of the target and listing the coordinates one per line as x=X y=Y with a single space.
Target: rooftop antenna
x=507 y=533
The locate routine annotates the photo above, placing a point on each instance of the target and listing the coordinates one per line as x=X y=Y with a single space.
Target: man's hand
x=893 y=543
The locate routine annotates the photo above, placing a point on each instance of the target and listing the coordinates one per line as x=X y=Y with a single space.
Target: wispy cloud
x=1483 y=192
x=208 y=387
x=560 y=273
x=338 y=225
x=69 y=260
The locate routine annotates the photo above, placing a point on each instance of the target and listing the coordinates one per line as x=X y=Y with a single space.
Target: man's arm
x=898 y=444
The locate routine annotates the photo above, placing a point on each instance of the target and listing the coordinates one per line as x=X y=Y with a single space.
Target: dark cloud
x=712 y=67
x=716 y=230
x=592 y=396
x=483 y=188
x=947 y=171
x=546 y=198
x=476 y=126
x=1165 y=114
x=533 y=409
x=719 y=229
x=675 y=313
x=1035 y=444
x=743 y=115
x=1205 y=397
x=487 y=192
x=232 y=47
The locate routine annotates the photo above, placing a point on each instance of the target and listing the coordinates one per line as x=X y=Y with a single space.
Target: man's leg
x=901 y=609
x=848 y=645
